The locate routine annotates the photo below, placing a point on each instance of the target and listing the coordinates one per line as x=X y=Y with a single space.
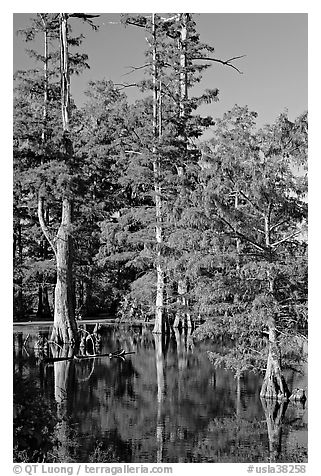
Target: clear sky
x=275 y=69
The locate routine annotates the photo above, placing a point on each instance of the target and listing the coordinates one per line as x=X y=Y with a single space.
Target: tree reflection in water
x=165 y=403
x=274 y=414
x=160 y=370
x=64 y=382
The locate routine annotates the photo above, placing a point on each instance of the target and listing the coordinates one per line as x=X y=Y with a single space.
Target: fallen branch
x=120 y=354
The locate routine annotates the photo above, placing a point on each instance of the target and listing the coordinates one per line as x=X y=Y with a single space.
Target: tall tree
x=65 y=327
x=157 y=132
x=260 y=168
x=38 y=155
x=174 y=52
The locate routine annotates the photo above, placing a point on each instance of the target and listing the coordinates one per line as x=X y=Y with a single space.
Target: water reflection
x=160 y=350
x=164 y=403
x=274 y=414
x=64 y=383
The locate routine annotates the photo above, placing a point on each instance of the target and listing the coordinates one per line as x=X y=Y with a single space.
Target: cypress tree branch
x=224 y=62
x=277 y=243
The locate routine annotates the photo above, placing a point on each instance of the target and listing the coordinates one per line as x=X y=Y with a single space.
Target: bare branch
x=278 y=224
x=125 y=85
x=237 y=233
x=86 y=17
x=170 y=93
x=277 y=243
x=242 y=236
x=133 y=152
x=135 y=68
x=224 y=62
x=256 y=207
x=138 y=137
x=83 y=16
x=235 y=58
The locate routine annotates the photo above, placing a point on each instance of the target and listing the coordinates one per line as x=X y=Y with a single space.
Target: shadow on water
x=163 y=403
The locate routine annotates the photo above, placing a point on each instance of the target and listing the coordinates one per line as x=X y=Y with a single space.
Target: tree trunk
x=274 y=385
x=40 y=306
x=159 y=324
x=43 y=310
x=19 y=304
x=159 y=321
x=45 y=97
x=43 y=302
x=183 y=316
x=183 y=66
x=177 y=320
x=179 y=317
x=238 y=241
x=65 y=327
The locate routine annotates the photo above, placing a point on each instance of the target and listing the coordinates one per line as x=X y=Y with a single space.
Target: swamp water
x=165 y=402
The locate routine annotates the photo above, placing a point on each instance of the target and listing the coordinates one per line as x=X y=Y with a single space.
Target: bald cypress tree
x=176 y=60
x=54 y=176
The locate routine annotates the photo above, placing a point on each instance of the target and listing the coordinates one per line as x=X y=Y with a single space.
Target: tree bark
x=65 y=327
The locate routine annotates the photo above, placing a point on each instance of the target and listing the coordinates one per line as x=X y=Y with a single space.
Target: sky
x=275 y=68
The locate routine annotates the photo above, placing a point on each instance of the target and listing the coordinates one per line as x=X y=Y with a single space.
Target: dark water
x=164 y=403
